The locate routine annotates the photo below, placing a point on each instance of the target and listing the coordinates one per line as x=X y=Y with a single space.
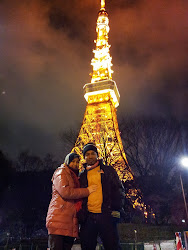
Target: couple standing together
x=94 y=201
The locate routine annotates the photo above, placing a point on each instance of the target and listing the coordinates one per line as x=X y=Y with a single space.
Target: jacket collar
x=63 y=166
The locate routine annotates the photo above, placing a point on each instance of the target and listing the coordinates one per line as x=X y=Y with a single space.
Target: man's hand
x=115 y=214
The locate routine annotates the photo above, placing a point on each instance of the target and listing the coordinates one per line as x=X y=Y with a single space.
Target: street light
x=135 y=233
x=184 y=163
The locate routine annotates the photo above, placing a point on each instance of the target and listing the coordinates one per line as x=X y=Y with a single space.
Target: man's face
x=91 y=157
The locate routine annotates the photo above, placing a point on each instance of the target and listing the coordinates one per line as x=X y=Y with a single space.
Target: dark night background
x=46 y=49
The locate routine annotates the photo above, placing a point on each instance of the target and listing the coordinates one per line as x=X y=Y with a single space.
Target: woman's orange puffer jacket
x=61 y=218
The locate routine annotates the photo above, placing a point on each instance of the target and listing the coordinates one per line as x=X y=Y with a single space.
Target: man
x=101 y=207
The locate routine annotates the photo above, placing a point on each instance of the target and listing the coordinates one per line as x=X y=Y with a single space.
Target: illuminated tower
x=100 y=120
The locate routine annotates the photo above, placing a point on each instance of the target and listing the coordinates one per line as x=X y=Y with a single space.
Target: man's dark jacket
x=112 y=191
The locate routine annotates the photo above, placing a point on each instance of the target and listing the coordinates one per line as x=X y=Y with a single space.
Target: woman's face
x=74 y=163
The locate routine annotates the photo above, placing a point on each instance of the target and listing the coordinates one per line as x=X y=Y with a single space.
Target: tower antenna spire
x=102 y=61
x=102 y=4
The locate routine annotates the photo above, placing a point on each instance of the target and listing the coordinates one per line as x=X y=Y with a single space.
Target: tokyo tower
x=100 y=124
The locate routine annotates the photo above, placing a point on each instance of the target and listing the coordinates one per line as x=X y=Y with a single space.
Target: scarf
x=93 y=166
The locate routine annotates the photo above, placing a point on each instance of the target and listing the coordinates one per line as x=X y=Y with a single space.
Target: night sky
x=46 y=49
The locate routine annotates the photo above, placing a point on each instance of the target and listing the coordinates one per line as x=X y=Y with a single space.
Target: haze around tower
x=46 y=49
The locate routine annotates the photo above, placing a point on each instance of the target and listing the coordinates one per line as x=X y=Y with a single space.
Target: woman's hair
x=70 y=157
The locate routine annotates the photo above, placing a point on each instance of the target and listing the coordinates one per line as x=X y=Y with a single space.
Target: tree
x=29 y=162
x=49 y=163
x=68 y=137
x=152 y=147
x=5 y=171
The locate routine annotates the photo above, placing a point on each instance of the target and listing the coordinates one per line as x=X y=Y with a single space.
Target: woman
x=61 y=221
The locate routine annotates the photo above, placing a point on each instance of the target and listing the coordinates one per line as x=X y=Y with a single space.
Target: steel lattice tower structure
x=100 y=124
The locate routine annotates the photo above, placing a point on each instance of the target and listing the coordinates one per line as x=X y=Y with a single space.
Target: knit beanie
x=89 y=146
x=70 y=157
